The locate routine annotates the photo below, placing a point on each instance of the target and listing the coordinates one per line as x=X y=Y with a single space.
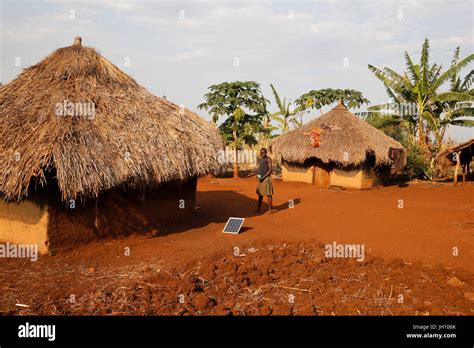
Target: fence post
x=456 y=169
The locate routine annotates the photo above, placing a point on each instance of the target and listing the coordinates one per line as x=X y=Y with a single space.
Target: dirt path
x=434 y=219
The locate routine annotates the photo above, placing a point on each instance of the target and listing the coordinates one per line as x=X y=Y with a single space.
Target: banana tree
x=451 y=108
x=265 y=134
x=285 y=116
x=419 y=85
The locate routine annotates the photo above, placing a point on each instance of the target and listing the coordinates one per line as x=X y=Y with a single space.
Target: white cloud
x=190 y=55
x=121 y=5
x=180 y=57
x=147 y=20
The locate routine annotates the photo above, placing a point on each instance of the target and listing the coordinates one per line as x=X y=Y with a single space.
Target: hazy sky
x=178 y=49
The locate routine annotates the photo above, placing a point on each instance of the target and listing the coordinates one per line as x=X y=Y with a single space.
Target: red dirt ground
x=193 y=270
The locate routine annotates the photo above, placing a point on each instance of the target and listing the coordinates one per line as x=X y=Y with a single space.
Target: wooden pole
x=456 y=169
x=236 y=166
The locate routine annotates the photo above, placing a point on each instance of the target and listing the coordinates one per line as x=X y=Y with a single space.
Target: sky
x=179 y=48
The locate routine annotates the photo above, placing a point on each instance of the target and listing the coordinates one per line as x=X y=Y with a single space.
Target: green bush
x=418 y=163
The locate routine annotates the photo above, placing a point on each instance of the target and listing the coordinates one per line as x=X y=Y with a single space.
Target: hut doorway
x=321 y=173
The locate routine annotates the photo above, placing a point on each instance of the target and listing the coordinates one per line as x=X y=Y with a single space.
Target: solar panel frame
x=231 y=222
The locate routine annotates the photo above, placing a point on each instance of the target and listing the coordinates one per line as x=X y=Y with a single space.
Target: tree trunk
x=236 y=165
x=421 y=133
x=456 y=169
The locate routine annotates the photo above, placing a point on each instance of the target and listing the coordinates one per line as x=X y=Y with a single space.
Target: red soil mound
x=284 y=279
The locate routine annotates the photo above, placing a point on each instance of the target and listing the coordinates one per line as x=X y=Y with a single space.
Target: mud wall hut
x=338 y=149
x=88 y=153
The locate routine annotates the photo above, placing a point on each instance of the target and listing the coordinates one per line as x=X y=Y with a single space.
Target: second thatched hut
x=459 y=156
x=87 y=153
x=348 y=152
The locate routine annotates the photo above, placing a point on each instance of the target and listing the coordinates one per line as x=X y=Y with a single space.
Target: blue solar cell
x=233 y=225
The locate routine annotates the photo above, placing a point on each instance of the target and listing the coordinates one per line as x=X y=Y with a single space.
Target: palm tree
x=419 y=85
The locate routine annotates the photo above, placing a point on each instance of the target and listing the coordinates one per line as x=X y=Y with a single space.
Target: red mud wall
x=119 y=213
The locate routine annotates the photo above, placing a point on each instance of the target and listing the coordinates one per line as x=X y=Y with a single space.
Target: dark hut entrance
x=54 y=224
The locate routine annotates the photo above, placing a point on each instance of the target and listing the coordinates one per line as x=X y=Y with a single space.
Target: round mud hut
x=338 y=149
x=87 y=153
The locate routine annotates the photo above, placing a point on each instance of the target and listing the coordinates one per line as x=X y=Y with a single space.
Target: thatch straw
x=134 y=137
x=356 y=138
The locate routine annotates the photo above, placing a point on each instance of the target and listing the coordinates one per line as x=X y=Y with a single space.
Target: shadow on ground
x=218 y=206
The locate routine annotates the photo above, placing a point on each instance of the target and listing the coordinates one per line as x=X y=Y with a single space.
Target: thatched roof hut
x=356 y=137
x=76 y=126
x=346 y=143
x=446 y=159
x=131 y=137
x=459 y=155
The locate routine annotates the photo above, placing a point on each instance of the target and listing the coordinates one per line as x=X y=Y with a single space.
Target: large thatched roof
x=132 y=137
x=355 y=137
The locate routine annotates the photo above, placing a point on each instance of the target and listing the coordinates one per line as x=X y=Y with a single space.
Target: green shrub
x=418 y=163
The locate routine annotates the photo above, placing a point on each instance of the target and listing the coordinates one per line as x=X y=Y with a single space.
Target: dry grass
x=135 y=138
x=356 y=138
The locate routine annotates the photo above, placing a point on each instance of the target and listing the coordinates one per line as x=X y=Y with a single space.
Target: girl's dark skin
x=263 y=153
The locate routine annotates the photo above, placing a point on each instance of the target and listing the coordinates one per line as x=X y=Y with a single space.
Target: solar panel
x=233 y=225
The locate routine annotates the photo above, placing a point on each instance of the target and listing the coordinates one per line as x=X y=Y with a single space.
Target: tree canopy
x=322 y=97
